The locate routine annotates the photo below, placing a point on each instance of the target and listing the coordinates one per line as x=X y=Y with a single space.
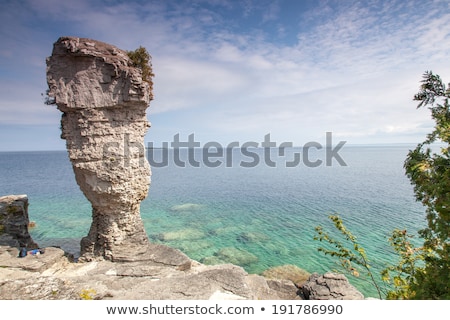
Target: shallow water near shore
x=256 y=217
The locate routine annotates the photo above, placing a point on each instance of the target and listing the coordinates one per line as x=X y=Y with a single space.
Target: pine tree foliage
x=428 y=169
x=141 y=59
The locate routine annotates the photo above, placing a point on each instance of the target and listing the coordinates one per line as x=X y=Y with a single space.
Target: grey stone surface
x=330 y=286
x=55 y=277
x=103 y=101
x=38 y=262
x=272 y=289
x=37 y=288
x=285 y=289
x=14 y=222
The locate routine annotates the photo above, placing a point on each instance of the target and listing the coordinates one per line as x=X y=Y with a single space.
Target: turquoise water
x=256 y=217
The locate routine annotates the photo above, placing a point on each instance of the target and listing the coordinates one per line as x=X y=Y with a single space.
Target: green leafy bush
x=349 y=252
x=141 y=59
x=429 y=172
x=421 y=272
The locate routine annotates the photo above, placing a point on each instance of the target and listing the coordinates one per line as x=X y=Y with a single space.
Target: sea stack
x=14 y=222
x=103 y=100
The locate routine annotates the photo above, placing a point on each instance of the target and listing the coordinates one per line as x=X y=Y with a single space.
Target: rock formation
x=104 y=100
x=14 y=222
x=52 y=276
x=330 y=286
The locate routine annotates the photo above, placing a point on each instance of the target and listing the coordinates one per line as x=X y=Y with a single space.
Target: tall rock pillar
x=103 y=101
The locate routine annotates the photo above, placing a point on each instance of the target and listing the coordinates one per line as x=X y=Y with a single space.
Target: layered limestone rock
x=14 y=222
x=52 y=276
x=104 y=100
x=330 y=286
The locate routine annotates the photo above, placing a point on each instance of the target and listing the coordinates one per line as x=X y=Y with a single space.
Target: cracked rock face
x=330 y=286
x=14 y=222
x=104 y=100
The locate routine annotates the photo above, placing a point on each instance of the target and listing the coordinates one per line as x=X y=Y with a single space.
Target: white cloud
x=353 y=71
x=272 y=12
x=184 y=83
x=23 y=104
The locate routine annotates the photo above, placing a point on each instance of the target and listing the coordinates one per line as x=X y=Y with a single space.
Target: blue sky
x=237 y=70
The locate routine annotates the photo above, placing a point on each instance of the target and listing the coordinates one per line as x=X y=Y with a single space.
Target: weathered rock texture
x=330 y=286
x=14 y=222
x=104 y=100
x=52 y=276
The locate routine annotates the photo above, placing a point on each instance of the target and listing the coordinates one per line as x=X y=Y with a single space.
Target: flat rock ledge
x=52 y=276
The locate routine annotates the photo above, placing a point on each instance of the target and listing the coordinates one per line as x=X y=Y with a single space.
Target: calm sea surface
x=257 y=217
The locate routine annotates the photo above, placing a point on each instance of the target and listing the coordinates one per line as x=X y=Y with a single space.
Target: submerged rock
x=213 y=260
x=195 y=246
x=103 y=101
x=249 y=237
x=276 y=248
x=186 y=207
x=227 y=230
x=184 y=234
x=236 y=256
x=287 y=272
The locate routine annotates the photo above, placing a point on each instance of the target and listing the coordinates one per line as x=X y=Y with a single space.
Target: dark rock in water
x=14 y=222
x=330 y=286
x=249 y=237
x=236 y=256
x=211 y=233
x=183 y=234
x=211 y=261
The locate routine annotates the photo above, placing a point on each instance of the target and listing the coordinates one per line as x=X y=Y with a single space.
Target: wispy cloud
x=223 y=69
